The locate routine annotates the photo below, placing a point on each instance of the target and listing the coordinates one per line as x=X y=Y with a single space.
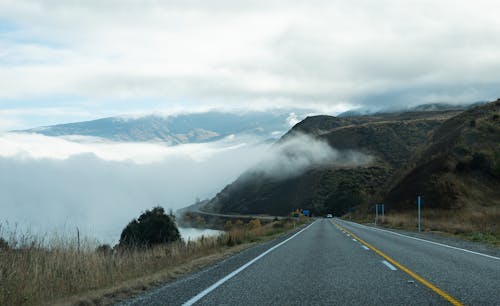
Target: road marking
x=426 y=283
x=200 y=295
x=364 y=247
x=393 y=268
x=428 y=241
x=354 y=239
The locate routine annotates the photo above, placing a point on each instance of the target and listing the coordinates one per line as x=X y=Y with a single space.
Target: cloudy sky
x=74 y=60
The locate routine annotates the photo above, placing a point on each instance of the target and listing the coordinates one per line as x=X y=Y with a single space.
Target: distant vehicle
x=329 y=216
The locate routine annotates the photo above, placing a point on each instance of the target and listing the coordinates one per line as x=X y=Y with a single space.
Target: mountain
x=430 y=107
x=450 y=157
x=178 y=129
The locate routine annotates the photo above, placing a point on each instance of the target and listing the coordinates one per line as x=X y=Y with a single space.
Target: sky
x=64 y=61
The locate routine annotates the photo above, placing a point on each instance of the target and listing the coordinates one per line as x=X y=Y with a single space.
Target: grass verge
x=479 y=224
x=34 y=273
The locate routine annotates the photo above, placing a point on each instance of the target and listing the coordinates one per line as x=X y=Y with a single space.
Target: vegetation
x=151 y=228
x=34 y=271
x=480 y=226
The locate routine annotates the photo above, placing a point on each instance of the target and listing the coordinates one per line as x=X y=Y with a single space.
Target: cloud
x=241 y=53
x=298 y=153
x=54 y=183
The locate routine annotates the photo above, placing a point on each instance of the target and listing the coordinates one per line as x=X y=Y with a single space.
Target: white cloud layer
x=150 y=54
x=49 y=182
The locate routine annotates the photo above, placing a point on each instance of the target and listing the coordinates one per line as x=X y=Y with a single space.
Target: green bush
x=4 y=245
x=151 y=228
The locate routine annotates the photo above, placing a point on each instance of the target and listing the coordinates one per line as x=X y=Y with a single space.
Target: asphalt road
x=334 y=262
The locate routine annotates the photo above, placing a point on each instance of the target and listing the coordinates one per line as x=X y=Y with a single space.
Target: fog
x=49 y=183
x=296 y=154
x=57 y=184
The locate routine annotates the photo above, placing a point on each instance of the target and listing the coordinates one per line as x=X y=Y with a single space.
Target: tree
x=152 y=227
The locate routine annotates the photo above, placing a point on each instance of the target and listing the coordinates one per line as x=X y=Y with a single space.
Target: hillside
x=389 y=139
x=450 y=158
x=460 y=168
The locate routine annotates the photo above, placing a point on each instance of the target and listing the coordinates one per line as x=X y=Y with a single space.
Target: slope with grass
x=389 y=139
x=458 y=174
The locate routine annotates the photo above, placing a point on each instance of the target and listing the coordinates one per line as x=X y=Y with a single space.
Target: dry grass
x=479 y=224
x=34 y=272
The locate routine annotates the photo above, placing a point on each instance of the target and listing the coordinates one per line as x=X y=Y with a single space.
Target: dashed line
x=353 y=239
x=417 y=277
x=427 y=241
x=364 y=247
x=393 y=268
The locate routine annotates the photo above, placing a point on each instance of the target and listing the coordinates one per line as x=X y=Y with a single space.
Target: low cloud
x=52 y=183
x=296 y=154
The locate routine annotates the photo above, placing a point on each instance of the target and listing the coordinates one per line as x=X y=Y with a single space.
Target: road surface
x=334 y=262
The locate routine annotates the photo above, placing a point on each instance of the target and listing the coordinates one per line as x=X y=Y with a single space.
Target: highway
x=334 y=262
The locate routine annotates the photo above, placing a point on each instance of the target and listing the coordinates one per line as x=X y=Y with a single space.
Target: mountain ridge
x=178 y=129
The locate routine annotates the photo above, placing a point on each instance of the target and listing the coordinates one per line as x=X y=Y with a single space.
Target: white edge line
x=200 y=295
x=393 y=268
x=423 y=240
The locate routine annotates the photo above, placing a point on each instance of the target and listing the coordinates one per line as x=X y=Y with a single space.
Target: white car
x=329 y=216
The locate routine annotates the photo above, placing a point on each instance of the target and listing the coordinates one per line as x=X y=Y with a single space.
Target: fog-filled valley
x=57 y=184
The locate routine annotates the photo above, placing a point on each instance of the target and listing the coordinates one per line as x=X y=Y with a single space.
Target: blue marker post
x=418 y=201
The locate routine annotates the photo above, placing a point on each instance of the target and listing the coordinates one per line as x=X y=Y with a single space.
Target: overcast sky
x=73 y=60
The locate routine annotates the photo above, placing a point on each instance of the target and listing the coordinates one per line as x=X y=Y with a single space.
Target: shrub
x=254 y=224
x=152 y=227
x=200 y=221
x=104 y=249
x=4 y=246
x=228 y=225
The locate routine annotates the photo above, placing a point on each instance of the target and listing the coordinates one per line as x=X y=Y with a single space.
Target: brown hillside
x=460 y=167
x=391 y=140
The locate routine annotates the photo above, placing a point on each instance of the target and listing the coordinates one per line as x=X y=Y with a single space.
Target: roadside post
x=418 y=204
x=376 y=214
x=383 y=213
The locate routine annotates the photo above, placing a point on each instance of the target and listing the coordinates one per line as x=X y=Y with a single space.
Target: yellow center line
x=434 y=288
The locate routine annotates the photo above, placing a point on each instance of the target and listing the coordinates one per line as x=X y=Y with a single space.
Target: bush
x=104 y=249
x=228 y=226
x=151 y=228
x=200 y=221
x=4 y=246
x=254 y=224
